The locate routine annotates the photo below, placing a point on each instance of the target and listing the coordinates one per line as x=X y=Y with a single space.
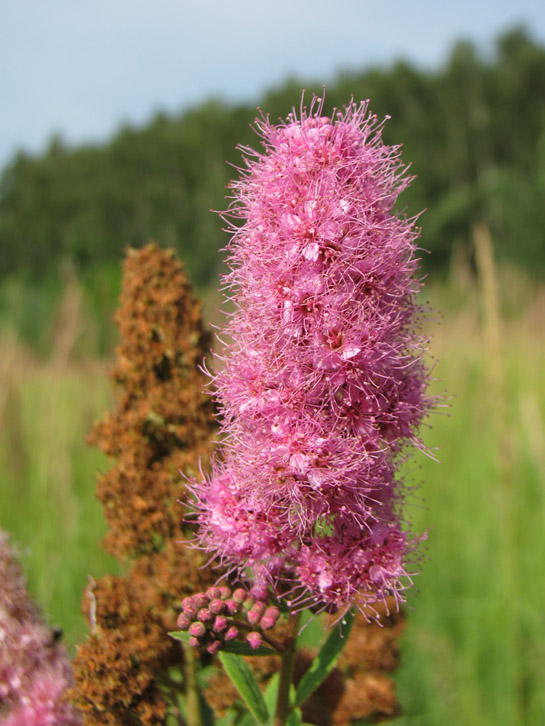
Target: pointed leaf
x=182 y=635
x=271 y=692
x=239 y=672
x=294 y=719
x=246 y=720
x=325 y=660
x=226 y=720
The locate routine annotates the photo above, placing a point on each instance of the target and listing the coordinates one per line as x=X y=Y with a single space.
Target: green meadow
x=474 y=648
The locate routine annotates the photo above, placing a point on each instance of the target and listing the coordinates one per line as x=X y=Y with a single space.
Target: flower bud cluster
x=219 y=615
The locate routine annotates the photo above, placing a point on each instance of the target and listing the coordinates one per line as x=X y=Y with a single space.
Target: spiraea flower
x=35 y=672
x=322 y=383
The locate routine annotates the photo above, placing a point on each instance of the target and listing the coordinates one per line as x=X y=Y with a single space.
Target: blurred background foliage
x=474 y=131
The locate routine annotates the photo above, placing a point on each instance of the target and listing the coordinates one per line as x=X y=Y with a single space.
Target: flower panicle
x=35 y=672
x=322 y=385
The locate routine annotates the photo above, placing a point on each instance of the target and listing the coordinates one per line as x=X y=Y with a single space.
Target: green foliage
x=324 y=662
x=473 y=129
x=474 y=649
x=239 y=672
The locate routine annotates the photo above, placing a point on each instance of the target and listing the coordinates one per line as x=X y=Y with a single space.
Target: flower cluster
x=219 y=615
x=322 y=385
x=35 y=672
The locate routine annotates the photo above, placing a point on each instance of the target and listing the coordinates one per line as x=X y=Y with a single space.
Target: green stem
x=192 y=700
x=286 y=671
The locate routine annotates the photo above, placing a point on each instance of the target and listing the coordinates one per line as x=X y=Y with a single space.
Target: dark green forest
x=473 y=131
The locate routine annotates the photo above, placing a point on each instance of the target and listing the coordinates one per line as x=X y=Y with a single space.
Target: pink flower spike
x=322 y=385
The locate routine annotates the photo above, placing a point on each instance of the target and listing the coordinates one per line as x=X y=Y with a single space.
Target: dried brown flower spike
x=162 y=425
x=163 y=422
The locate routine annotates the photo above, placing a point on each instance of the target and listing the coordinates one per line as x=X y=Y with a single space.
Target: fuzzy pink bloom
x=34 y=669
x=322 y=386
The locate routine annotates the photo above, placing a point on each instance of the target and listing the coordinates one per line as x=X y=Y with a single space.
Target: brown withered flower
x=161 y=426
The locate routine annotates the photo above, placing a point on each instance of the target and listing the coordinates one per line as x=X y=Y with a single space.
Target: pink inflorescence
x=35 y=672
x=322 y=386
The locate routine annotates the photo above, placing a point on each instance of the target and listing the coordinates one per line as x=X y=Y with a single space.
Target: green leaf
x=271 y=693
x=226 y=720
x=294 y=719
x=182 y=635
x=325 y=660
x=239 y=672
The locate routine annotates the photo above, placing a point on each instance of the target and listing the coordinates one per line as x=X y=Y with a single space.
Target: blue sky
x=81 y=69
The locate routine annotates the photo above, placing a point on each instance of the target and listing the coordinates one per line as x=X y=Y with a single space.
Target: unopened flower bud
x=231 y=634
x=189 y=607
x=254 y=640
x=270 y=618
x=200 y=600
x=273 y=612
x=220 y=624
x=240 y=595
x=183 y=621
x=225 y=592
x=259 y=607
x=212 y=593
x=205 y=615
x=253 y=617
x=231 y=606
x=194 y=642
x=197 y=630
x=217 y=606
x=248 y=603
x=213 y=647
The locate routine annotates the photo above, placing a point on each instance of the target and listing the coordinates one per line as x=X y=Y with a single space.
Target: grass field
x=474 y=650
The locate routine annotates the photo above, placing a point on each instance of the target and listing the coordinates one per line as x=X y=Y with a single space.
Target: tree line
x=473 y=130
